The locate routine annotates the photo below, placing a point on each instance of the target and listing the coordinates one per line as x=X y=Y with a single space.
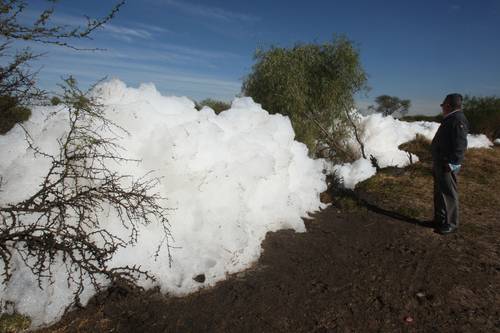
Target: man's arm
x=458 y=143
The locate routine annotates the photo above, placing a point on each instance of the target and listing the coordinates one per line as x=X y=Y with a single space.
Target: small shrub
x=55 y=101
x=216 y=105
x=11 y=113
x=11 y=323
x=420 y=146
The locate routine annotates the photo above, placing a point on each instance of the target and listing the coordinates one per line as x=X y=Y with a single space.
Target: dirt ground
x=358 y=268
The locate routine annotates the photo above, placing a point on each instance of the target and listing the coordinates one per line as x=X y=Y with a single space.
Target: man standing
x=448 y=149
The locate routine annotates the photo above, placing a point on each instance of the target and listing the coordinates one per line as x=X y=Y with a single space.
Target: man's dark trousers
x=445 y=196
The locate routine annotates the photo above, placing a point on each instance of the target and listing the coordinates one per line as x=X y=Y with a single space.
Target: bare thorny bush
x=62 y=220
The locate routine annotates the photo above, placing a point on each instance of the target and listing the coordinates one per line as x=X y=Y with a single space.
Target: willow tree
x=314 y=85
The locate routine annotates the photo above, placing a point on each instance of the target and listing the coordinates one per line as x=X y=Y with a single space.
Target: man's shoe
x=429 y=224
x=446 y=229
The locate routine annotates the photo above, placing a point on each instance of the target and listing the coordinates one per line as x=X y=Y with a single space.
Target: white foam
x=229 y=178
x=382 y=136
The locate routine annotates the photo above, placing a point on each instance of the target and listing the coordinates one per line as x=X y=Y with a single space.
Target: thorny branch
x=17 y=79
x=42 y=29
x=63 y=219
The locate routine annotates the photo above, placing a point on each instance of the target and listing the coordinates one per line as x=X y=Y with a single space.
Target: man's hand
x=448 y=167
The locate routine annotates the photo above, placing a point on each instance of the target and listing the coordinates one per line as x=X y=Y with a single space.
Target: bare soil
x=364 y=265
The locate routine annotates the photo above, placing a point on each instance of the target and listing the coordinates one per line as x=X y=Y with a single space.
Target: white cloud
x=210 y=12
x=127 y=33
x=89 y=69
x=121 y=32
x=154 y=28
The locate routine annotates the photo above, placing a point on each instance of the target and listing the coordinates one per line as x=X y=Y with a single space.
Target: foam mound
x=382 y=136
x=228 y=179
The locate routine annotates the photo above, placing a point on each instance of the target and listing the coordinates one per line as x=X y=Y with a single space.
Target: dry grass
x=13 y=323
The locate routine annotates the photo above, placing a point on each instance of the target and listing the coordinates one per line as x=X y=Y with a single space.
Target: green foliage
x=388 y=105
x=313 y=84
x=484 y=122
x=474 y=104
x=483 y=114
x=55 y=101
x=216 y=105
x=11 y=113
x=10 y=323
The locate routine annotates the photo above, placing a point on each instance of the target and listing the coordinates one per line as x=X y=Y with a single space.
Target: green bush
x=216 y=105
x=11 y=323
x=473 y=103
x=11 y=113
x=314 y=85
x=483 y=114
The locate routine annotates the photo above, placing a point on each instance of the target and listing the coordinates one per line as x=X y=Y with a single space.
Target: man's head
x=451 y=103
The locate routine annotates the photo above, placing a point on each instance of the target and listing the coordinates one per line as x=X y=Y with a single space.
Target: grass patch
x=13 y=323
x=407 y=193
x=420 y=146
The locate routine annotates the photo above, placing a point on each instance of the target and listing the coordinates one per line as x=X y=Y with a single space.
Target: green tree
x=388 y=105
x=476 y=104
x=483 y=114
x=313 y=84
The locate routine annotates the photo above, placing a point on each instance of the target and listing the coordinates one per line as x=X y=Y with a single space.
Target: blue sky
x=419 y=50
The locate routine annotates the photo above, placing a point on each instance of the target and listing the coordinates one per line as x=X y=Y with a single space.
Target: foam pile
x=229 y=179
x=382 y=137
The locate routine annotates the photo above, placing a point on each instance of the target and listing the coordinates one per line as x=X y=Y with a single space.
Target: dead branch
x=62 y=219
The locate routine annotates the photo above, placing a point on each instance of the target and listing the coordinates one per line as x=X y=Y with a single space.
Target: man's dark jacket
x=450 y=142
